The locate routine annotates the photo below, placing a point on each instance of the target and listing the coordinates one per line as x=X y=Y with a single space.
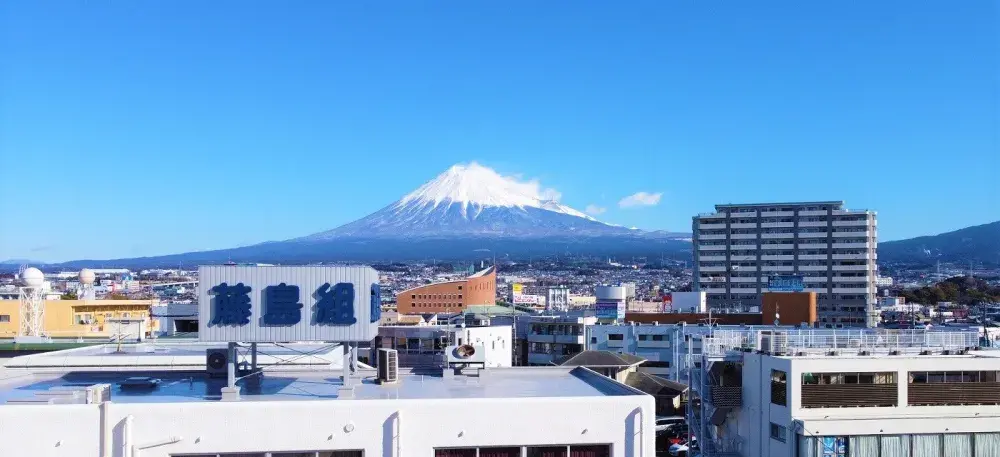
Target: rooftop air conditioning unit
x=217 y=361
x=388 y=366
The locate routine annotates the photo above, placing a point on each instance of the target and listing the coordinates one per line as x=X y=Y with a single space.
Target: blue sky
x=141 y=128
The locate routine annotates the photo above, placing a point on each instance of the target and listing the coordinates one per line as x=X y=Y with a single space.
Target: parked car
x=664 y=423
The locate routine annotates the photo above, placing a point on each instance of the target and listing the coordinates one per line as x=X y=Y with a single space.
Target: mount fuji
x=473 y=200
x=467 y=208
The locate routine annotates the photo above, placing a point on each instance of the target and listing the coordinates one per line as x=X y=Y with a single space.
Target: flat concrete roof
x=287 y=386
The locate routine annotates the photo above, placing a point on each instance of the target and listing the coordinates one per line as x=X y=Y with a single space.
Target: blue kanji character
x=232 y=305
x=335 y=305
x=376 y=303
x=282 y=305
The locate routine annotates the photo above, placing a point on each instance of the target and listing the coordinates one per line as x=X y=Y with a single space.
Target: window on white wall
x=778 y=432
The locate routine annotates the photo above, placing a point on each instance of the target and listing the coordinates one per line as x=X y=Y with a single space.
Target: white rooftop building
x=134 y=405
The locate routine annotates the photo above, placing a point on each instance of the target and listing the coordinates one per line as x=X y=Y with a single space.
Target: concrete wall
x=382 y=428
x=793 y=307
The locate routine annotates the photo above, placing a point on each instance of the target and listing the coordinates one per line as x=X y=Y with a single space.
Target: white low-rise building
x=289 y=412
x=425 y=345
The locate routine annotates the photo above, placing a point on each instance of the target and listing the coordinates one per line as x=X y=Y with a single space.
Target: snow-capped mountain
x=473 y=200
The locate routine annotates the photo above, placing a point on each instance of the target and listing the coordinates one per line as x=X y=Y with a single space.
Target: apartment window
x=779 y=387
x=616 y=337
x=459 y=287
x=848 y=378
x=4 y=318
x=593 y=340
x=778 y=432
x=657 y=337
x=643 y=337
x=932 y=377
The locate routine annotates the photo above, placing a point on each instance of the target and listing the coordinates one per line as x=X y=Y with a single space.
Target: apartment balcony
x=813 y=235
x=742 y=268
x=777 y=257
x=863 y=223
x=812 y=223
x=743 y=247
x=851 y=245
x=812 y=257
x=776 y=268
x=703 y=236
x=712 y=216
x=711 y=226
x=863 y=234
x=814 y=279
x=862 y=279
x=542 y=358
x=738 y=279
x=777 y=213
x=777 y=225
x=570 y=339
x=744 y=236
x=616 y=343
x=711 y=269
x=746 y=214
x=849 y=267
x=771 y=247
x=776 y=236
x=714 y=290
x=712 y=257
x=744 y=290
x=812 y=267
x=850 y=290
x=744 y=225
x=853 y=257
x=814 y=212
x=953 y=394
x=702 y=247
x=849 y=395
x=653 y=344
x=818 y=290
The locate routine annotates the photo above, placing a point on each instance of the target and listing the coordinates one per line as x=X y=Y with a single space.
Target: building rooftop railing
x=794 y=341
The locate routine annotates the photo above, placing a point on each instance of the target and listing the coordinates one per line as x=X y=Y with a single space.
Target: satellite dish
x=465 y=351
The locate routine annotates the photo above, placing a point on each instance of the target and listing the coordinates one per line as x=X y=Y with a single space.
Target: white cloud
x=640 y=199
x=548 y=194
x=594 y=210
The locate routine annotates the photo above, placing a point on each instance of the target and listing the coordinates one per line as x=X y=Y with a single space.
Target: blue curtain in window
x=895 y=446
x=808 y=446
x=957 y=444
x=862 y=446
x=987 y=444
x=927 y=446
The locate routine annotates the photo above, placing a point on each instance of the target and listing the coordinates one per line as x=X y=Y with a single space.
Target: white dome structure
x=87 y=276
x=33 y=277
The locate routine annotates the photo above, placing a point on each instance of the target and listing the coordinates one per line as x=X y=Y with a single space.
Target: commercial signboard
x=785 y=283
x=523 y=299
x=278 y=304
x=517 y=288
x=610 y=310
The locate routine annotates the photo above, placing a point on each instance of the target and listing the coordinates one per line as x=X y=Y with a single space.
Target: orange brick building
x=451 y=296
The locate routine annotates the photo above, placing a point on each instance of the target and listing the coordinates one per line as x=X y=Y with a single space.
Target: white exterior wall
x=382 y=428
x=495 y=340
x=753 y=421
x=690 y=302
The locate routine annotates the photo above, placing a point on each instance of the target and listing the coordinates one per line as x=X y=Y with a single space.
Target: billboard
x=517 y=288
x=522 y=299
x=277 y=304
x=610 y=310
x=785 y=283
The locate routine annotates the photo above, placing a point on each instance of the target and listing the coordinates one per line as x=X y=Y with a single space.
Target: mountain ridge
x=977 y=243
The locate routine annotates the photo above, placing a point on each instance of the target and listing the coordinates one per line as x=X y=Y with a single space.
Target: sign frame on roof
x=265 y=304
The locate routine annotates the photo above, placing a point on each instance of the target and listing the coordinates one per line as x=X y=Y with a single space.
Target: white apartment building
x=550 y=338
x=739 y=247
x=846 y=393
x=291 y=410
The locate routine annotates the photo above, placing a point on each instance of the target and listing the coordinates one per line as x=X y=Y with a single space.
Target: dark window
x=657 y=337
x=779 y=387
x=500 y=452
x=593 y=340
x=643 y=337
x=547 y=451
x=778 y=432
x=4 y=317
x=616 y=337
x=459 y=287
x=414 y=296
x=656 y=364
x=457 y=452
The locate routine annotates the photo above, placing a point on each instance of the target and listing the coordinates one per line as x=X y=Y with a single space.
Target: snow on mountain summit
x=473 y=200
x=474 y=186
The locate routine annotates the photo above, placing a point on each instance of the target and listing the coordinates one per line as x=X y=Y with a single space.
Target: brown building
x=793 y=308
x=451 y=296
